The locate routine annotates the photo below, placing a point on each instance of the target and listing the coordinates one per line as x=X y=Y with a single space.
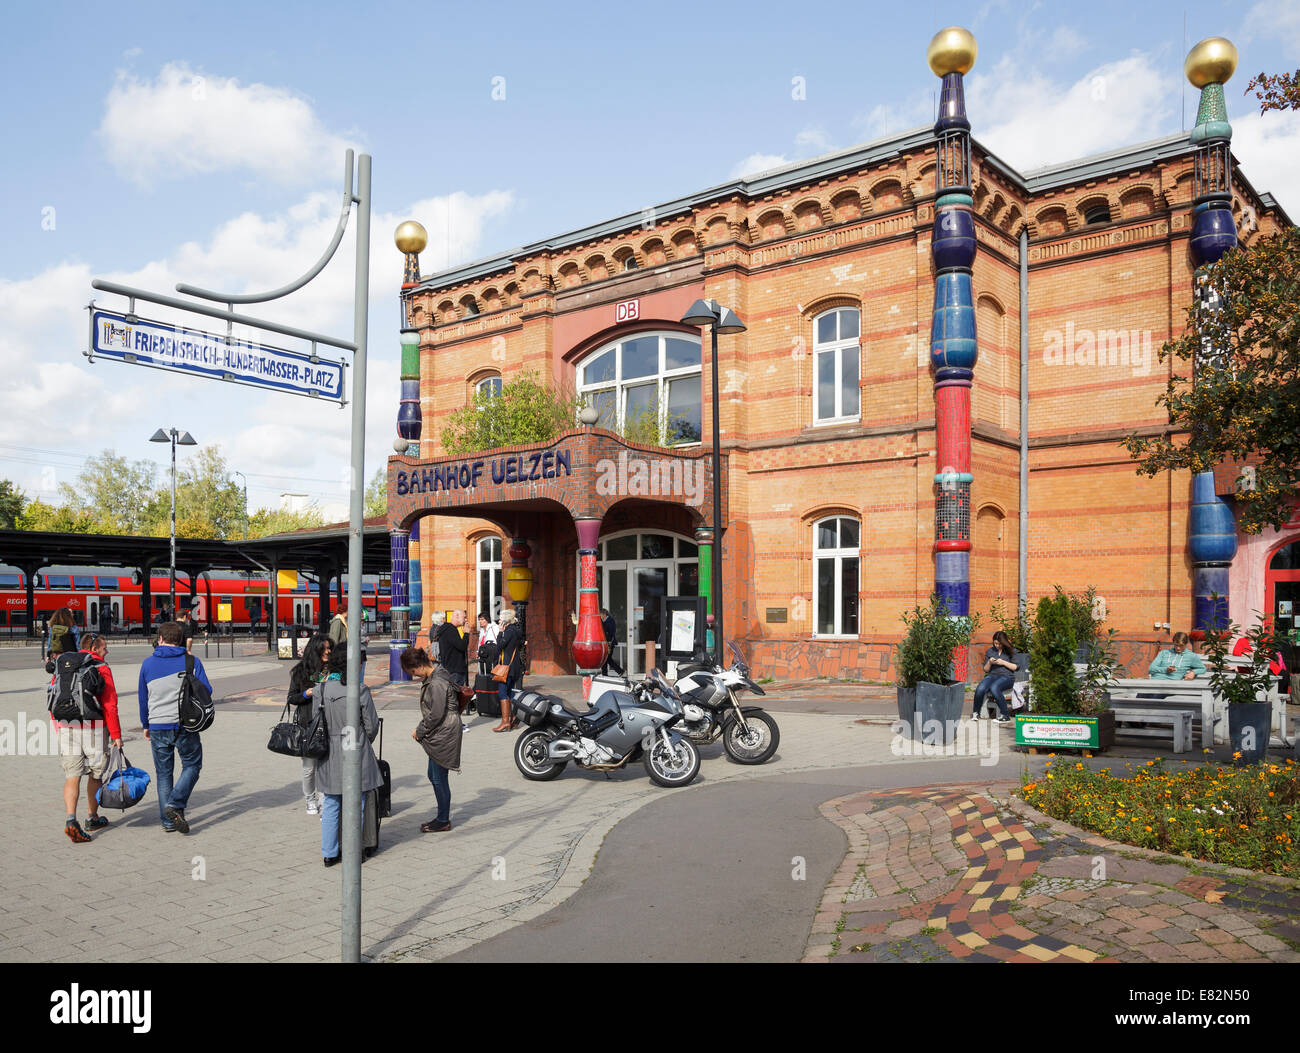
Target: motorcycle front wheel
x=755 y=744
x=531 y=757
x=672 y=764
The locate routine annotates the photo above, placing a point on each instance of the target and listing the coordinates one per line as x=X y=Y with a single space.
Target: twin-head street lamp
x=719 y=319
x=176 y=438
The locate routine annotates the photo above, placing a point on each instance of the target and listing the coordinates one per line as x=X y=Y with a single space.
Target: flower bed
x=1241 y=817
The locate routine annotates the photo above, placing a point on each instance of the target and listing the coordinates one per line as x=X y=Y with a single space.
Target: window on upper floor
x=489 y=387
x=1097 y=214
x=837 y=368
x=835 y=575
x=646 y=382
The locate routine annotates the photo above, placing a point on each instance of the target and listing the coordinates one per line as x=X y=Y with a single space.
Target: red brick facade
x=854 y=230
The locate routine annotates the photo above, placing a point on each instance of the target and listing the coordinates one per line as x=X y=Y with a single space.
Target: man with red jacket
x=82 y=752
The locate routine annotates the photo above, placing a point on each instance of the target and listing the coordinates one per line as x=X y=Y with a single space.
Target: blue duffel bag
x=125 y=785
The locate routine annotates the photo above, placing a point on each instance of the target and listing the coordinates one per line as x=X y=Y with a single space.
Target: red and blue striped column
x=953 y=345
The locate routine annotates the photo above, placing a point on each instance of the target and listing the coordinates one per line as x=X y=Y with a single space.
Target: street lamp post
x=244 y=480
x=181 y=438
x=719 y=320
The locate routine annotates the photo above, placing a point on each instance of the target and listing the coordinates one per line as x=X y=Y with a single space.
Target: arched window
x=487 y=566
x=835 y=576
x=488 y=387
x=646 y=380
x=836 y=366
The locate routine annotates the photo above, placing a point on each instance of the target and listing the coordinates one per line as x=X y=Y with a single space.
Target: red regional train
x=110 y=598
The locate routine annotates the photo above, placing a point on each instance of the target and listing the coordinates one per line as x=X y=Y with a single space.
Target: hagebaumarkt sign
x=176 y=348
x=1065 y=732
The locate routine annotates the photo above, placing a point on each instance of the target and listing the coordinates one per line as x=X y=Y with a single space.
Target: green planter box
x=1064 y=732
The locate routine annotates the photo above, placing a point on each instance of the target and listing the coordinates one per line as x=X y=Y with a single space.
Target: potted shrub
x=928 y=690
x=1070 y=711
x=1249 y=720
x=1087 y=629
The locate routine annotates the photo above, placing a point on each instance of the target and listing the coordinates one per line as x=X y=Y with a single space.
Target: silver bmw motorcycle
x=605 y=734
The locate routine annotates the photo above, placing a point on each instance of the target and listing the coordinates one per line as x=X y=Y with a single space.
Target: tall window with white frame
x=837 y=366
x=487 y=566
x=647 y=377
x=488 y=387
x=835 y=575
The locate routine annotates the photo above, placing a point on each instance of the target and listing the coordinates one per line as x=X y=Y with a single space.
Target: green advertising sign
x=1047 y=729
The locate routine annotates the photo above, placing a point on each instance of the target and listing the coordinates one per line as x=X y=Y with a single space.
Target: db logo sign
x=627 y=311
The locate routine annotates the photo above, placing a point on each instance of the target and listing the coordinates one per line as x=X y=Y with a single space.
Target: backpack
x=196 y=711
x=75 y=691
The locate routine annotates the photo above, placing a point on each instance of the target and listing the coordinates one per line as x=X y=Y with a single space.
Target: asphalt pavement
x=713 y=874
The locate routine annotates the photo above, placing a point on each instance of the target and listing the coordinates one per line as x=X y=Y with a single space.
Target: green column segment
x=704 y=551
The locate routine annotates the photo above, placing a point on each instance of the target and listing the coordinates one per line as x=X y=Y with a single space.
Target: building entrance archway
x=636 y=568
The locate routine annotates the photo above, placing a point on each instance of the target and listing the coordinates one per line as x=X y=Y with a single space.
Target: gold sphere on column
x=1212 y=61
x=953 y=50
x=410 y=237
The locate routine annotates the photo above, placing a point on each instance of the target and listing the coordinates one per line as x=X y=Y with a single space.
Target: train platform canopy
x=319 y=549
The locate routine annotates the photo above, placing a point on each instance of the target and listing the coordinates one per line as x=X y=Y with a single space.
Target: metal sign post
x=127 y=338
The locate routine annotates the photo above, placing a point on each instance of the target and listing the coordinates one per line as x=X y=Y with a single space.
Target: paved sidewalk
x=248 y=884
x=966 y=873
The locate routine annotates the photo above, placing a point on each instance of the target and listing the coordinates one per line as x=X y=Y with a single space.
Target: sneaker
x=75 y=834
x=177 y=816
x=169 y=829
x=1004 y=720
x=434 y=827
x=96 y=822
x=313 y=808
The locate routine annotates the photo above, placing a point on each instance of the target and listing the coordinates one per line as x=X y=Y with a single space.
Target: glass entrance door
x=649 y=584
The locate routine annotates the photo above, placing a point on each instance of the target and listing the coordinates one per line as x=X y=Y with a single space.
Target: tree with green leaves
x=12 y=501
x=526 y=411
x=1247 y=407
x=111 y=495
x=377 y=494
x=265 y=521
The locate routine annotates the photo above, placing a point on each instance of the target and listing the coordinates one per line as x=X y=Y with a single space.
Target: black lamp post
x=181 y=438
x=719 y=320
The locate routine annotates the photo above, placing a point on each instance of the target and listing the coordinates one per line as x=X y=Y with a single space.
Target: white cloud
x=1277 y=21
x=186 y=123
x=756 y=163
x=1268 y=147
x=1029 y=119
x=60 y=402
x=815 y=140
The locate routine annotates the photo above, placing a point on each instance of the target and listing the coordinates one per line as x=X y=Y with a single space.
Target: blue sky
x=203 y=143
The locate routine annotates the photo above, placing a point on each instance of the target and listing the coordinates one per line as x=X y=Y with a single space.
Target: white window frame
x=661 y=378
x=495 y=567
x=837 y=557
x=481 y=384
x=835 y=347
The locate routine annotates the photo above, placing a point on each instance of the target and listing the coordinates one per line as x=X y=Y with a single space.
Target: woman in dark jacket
x=438 y=732
x=62 y=635
x=509 y=652
x=332 y=696
x=303 y=679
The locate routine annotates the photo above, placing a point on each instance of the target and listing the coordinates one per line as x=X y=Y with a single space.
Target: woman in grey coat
x=332 y=695
x=438 y=731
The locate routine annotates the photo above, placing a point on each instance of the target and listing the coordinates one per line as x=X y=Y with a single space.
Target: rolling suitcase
x=384 y=795
x=486 y=699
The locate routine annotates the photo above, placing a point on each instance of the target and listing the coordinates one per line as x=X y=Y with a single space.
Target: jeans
x=997 y=685
x=190 y=747
x=441 y=790
x=503 y=692
x=309 y=779
x=331 y=812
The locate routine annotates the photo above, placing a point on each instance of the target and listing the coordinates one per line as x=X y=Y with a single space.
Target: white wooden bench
x=1175 y=720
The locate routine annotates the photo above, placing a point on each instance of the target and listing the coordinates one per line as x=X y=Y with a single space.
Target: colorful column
x=399 y=542
x=704 y=550
x=519 y=581
x=590 y=648
x=1212 y=529
x=953 y=345
x=404 y=548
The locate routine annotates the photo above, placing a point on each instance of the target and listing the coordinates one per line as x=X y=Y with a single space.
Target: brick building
x=828 y=404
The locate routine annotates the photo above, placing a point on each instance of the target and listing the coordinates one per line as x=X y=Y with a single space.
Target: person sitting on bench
x=1177 y=661
x=999 y=674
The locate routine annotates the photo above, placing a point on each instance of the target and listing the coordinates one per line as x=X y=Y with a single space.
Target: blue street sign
x=181 y=350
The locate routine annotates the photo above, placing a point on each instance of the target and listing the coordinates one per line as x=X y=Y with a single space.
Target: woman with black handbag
x=510 y=665
x=303 y=679
x=332 y=699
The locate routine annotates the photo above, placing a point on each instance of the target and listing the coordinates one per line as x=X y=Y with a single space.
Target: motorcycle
x=604 y=735
x=706 y=697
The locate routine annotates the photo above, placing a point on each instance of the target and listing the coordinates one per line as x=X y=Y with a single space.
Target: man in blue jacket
x=160 y=693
